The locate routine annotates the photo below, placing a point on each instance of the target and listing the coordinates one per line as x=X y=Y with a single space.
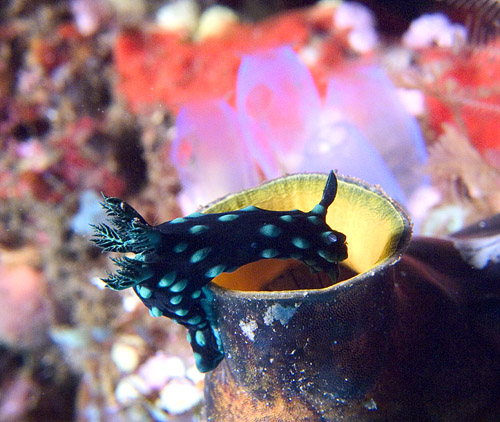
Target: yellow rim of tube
x=377 y=229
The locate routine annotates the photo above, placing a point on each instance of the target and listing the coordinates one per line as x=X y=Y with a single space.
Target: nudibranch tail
x=174 y=261
x=330 y=191
x=329 y=194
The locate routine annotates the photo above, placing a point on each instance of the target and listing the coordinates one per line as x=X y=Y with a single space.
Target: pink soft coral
x=281 y=126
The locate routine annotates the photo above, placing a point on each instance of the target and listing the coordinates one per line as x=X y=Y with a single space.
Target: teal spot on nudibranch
x=144 y=292
x=199 y=228
x=200 y=255
x=188 y=337
x=200 y=338
x=194 y=320
x=167 y=279
x=228 y=217
x=269 y=253
x=197 y=359
x=179 y=286
x=215 y=271
x=314 y=219
x=300 y=243
x=270 y=230
x=250 y=208
x=196 y=294
x=155 y=312
x=217 y=338
x=329 y=256
x=175 y=300
x=318 y=209
x=180 y=247
x=286 y=218
x=178 y=220
x=181 y=312
x=195 y=215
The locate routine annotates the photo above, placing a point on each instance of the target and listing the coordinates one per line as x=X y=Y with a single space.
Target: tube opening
x=270 y=275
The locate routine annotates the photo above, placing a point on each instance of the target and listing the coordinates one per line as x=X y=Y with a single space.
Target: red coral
x=468 y=93
x=161 y=67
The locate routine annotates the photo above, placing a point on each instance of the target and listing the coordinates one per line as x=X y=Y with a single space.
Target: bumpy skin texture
x=175 y=260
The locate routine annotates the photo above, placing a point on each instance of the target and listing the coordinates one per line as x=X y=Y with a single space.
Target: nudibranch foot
x=174 y=261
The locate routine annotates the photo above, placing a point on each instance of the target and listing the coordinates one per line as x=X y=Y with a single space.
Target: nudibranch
x=174 y=261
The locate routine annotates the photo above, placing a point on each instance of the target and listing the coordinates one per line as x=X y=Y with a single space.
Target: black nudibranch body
x=174 y=261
